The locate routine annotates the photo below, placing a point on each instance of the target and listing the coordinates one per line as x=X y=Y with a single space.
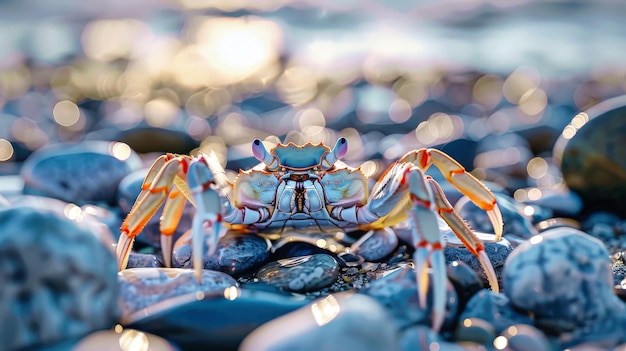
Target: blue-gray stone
x=301 y=274
x=220 y=321
x=563 y=277
x=397 y=291
x=525 y=337
x=337 y=322
x=58 y=280
x=141 y=288
x=423 y=338
x=113 y=340
x=494 y=308
x=236 y=253
x=85 y=172
x=143 y=260
x=465 y=280
x=378 y=244
x=474 y=330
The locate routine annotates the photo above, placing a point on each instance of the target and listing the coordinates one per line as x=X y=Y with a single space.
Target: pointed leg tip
x=489 y=271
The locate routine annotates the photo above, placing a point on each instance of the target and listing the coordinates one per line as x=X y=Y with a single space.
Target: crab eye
x=339 y=151
x=261 y=154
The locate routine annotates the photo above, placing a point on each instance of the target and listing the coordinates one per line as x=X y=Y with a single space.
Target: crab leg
x=208 y=218
x=172 y=212
x=466 y=183
x=154 y=191
x=463 y=232
x=428 y=244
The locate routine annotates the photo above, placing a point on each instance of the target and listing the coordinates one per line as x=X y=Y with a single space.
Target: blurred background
x=493 y=83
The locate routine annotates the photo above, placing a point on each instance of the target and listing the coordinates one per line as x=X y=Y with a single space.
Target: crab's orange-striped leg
x=172 y=212
x=155 y=190
x=463 y=232
x=465 y=182
x=428 y=244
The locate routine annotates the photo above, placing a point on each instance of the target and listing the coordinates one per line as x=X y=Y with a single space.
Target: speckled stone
x=495 y=308
x=236 y=253
x=84 y=172
x=593 y=161
x=300 y=274
x=58 y=280
x=142 y=260
x=569 y=275
x=342 y=321
x=144 y=287
x=397 y=291
x=379 y=244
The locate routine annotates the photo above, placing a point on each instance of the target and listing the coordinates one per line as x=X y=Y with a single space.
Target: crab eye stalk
x=261 y=154
x=339 y=151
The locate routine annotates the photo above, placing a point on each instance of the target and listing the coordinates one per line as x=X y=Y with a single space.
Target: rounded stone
x=465 y=280
x=376 y=244
x=563 y=277
x=58 y=279
x=236 y=253
x=592 y=155
x=474 y=330
x=85 y=172
x=120 y=339
x=524 y=337
x=144 y=287
x=301 y=274
x=495 y=308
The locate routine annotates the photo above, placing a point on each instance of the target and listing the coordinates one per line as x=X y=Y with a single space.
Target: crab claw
x=208 y=218
x=429 y=245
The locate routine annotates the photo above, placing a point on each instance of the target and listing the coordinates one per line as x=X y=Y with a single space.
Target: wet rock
x=569 y=275
x=144 y=287
x=397 y=291
x=128 y=190
x=142 y=140
x=474 y=330
x=465 y=280
x=523 y=337
x=376 y=244
x=495 y=308
x=515 y=221
x=342 y=321
x=220 y=321
x=58 y=279
x=297 y=249
x=86 y=172
x=300 y=274
x=141 y=260
x=592 y=155
x=236 y=253
x=559 y=202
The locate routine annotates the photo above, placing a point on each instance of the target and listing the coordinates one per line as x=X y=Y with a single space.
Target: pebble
x=236 y=253
x=58 y=279
x=301 y=274
x=376 y=244
x=162 y=288
x=143 y=260
x=515 y=221
x=422 y=338
x=338 y=322
x=128 y=190
x=119 y=339
x=474 y=330
x=397 y=291
x=221 y=321
x=142 y=140
x=86 y=172
x=465 y=280
x=522 y=337
x=592 y=155
x=569 y=275
x=297 y=249
x=495 y=308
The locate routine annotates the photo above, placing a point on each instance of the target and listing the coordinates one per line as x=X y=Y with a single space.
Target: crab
x=307 y=188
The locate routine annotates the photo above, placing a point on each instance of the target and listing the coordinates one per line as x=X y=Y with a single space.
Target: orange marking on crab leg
x=144 y=208
x=172 y=212
x=463 y=232
x=469 y=186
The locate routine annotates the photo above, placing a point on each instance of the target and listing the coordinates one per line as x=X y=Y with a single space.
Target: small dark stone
x=474 y=330
x=497 y=253
x=141 y=260
x=306 y=273
x=378 y=244
x=296 y=249
x=236 y=253
x=465 y=280
x=494 y=308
